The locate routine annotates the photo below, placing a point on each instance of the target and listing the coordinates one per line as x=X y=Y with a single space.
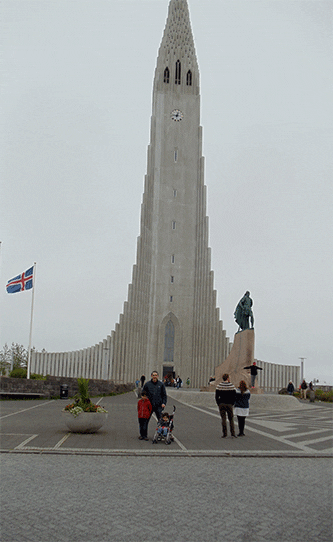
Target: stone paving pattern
x=66 y=498
x=52 y=491
x=197 y=429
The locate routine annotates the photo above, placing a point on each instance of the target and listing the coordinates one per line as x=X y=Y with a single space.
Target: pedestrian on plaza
x=188 y=382
x=312 y=393
x=156 y=393
x=290 y=388
x=142 y=380
x=144 y=413
x=137 y=382
x=179 y=382
x=304 y=387
x=225 y=395
x=254 y=371
x=242 y=406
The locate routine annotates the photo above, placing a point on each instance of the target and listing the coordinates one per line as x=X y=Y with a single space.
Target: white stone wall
x=274 y=377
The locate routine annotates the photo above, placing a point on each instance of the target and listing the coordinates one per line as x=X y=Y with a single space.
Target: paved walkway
x=39 y=426
x=274 y=485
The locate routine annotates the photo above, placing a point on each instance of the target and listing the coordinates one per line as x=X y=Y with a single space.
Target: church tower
x=170 y=321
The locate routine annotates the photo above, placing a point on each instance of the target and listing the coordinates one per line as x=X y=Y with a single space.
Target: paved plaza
x=275 y=484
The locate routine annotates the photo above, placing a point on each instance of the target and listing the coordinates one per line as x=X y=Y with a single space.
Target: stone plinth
x=241 y=355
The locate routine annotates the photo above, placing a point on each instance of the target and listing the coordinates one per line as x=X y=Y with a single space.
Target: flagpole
x=31 y=318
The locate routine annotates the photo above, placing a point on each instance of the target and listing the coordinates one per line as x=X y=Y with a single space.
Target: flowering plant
x=76 y=409
x=82 y=402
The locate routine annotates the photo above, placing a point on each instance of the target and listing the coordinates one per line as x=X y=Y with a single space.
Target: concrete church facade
x=170 y=321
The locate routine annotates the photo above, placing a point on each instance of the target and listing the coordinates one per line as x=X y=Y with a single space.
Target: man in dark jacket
x=156 y=392
x=290 y=388
x=304 y=387
x=225 y=396
x=254 y=371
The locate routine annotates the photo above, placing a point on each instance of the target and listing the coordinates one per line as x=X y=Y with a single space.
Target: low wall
x=263 y=402
x=51 y=386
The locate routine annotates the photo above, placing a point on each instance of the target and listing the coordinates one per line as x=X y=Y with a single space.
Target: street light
x=302 y=368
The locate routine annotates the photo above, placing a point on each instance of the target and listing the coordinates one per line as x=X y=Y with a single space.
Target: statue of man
x=243 y=312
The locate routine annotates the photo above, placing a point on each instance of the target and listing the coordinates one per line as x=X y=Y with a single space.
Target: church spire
x=177 y=62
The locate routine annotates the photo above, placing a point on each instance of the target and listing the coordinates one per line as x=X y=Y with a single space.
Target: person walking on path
x=242 y=406
x=225 y=395
x=290 y=388
x=142 y=380
x=156 y=393
x=304 y=387
x=179 y=382
x=144 y=413
x=254 y=371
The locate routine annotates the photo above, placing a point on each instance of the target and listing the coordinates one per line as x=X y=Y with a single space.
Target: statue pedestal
x=241 y=355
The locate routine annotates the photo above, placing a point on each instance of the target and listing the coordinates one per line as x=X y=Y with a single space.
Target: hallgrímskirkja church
x=170 y=320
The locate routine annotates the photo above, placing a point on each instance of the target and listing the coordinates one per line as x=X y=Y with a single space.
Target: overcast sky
x=75 y=118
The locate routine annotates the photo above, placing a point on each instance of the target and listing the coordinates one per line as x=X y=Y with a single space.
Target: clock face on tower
x=176 y=115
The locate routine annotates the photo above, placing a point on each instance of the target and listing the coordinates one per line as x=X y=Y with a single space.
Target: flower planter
x=85 y=422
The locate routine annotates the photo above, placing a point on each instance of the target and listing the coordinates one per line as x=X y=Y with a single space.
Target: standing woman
x=242 y=406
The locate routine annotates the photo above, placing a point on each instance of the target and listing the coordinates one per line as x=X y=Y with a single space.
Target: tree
x=20 y=356
x=15 y=357
x=5 y=360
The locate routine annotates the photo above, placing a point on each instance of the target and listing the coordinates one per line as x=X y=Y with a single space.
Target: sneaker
x=145 y=438
x=140 y=438
x=224 y=436
x=233 y=436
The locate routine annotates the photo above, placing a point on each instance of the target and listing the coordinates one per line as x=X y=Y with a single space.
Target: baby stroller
x=164 y=429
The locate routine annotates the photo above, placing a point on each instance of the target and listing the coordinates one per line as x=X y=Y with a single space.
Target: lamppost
x=302 y=368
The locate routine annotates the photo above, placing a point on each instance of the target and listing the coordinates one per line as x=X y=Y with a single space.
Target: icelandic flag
x=21 y=282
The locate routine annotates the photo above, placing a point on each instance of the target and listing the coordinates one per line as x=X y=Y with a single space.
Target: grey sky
x=75 y=115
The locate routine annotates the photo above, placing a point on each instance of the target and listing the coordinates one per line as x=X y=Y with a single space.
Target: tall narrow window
x=189 y=78
x=166 y=75
x=171 y=278
x=169 y=342
x=175 y=193
x=173 y=258
x=171 y=298
x=178 y=73
x=173 y=224
x=176 y=155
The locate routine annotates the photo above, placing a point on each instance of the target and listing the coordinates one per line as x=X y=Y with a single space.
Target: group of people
x=154 y=399
x=229 y=400
x=169 y=380
x=303 y=387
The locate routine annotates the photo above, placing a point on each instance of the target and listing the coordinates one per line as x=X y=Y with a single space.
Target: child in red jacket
x=144 y=413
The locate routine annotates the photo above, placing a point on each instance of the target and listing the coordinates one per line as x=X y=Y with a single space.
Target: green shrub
x=324 y=396
x=18 y=372
x=35 y=376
